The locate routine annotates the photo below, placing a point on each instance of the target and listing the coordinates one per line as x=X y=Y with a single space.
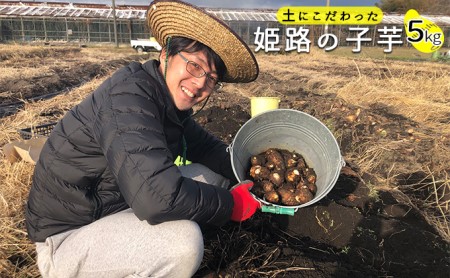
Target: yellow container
x=263 y=104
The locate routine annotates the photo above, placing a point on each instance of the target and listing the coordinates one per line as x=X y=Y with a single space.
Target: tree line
x=438 y=7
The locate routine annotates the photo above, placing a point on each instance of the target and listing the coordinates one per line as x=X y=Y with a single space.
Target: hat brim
x=169 y=18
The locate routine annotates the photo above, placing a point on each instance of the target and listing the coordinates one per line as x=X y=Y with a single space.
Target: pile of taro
x=282 y=177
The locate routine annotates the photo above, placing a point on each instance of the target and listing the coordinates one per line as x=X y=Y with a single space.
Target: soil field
x=388 y=214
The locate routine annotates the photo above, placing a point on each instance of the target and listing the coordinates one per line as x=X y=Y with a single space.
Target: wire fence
x=70 y=30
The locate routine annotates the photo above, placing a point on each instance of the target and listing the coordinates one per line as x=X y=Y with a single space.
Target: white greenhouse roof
x=139 y=13
x=244 y=15
x=69 y=11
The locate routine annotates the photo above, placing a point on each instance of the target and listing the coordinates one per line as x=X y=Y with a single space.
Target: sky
x=242 y=4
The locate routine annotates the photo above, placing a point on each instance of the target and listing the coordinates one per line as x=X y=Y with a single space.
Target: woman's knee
x=185 y=254
x=200 y=172
x=191 y=241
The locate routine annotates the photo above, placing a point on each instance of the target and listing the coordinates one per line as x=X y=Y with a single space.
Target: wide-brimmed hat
x=169 y=18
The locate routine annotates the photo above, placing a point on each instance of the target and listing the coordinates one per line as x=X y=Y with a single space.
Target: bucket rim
x=316 y=198
x=276 y=111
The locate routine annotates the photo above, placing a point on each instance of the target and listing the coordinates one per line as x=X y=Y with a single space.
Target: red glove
x=244 y=203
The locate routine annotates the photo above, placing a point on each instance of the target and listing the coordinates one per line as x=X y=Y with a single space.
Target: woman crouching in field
x=107 y=199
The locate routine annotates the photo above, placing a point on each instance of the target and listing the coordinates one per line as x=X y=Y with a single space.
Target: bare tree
x=422 y=6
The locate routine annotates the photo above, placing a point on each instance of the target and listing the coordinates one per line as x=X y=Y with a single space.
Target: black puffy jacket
x=115 y=150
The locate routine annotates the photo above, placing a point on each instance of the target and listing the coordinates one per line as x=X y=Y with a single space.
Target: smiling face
x=185 y=89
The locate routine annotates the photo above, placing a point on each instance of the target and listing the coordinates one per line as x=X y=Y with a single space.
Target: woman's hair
x=178 y=44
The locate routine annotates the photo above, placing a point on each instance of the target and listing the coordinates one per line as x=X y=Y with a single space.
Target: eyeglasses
x=197 y=71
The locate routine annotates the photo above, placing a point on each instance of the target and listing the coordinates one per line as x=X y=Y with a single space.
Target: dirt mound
x=58 y=80
x=10 y=56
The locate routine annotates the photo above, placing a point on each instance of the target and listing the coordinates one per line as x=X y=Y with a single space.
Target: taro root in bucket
x=282 y=177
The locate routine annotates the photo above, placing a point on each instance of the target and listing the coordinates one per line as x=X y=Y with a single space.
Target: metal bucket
x=294 y=131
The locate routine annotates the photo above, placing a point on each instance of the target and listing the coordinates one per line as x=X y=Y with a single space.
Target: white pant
x=120 y=245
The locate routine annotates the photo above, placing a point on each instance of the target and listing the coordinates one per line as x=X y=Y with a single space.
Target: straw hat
x=171 y=18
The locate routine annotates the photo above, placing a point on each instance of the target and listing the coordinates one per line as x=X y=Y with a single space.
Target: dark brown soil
x=353 y=231
x=349 y=233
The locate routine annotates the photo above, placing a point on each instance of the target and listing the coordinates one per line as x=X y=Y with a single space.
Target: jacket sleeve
x=129 y=130
x=205 y=148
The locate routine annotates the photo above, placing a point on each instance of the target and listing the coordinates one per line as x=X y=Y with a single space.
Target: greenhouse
x=34 y=22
